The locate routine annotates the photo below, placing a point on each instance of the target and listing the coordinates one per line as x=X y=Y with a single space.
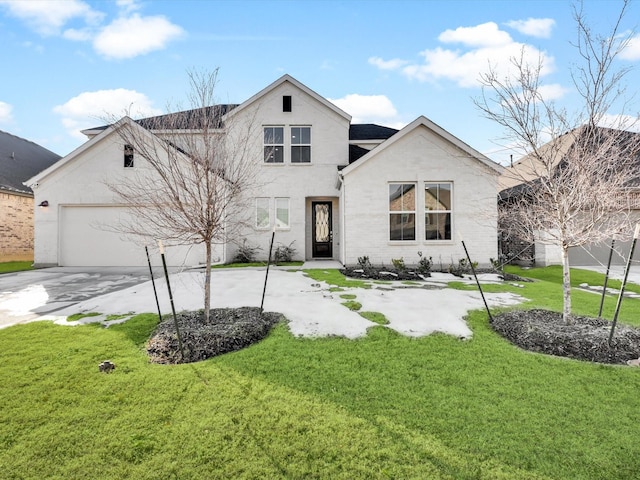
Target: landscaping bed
x=585 y=338
x=228 y=330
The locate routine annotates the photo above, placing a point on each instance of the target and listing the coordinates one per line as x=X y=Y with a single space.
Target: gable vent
x=286 y=103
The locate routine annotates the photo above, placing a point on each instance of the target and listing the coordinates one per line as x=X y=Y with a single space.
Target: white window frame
x=280 y=223
x=445 y=211
x=403 y=211
x=298 y=143
x=273 y=145
x=259 y=208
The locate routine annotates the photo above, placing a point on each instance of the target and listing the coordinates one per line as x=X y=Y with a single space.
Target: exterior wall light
x=44 y=203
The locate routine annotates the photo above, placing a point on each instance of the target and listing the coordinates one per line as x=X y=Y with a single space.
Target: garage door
x=85 y=240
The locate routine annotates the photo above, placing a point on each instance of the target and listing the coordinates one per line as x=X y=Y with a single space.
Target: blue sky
x=67 y=64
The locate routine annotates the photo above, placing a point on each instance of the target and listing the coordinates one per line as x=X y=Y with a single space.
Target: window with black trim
x=300 y=144
x=128 y=156
x=274 y=144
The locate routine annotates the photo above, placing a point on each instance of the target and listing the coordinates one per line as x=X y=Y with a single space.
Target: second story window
x=300 y=144
x=274 y=144
x=128 y=156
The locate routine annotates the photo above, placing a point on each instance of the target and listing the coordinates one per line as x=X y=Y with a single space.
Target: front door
x=322 y=230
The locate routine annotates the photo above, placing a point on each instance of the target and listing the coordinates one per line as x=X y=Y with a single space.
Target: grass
x=9 y=267
x=383 y=406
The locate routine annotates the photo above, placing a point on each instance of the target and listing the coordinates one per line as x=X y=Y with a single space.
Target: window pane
x=437 y=196
x=273 y=135
x=273 y=154
x=300 y=154
x=305 y=135
x=402 y=197
x=282 y=212
x=402 y=226
x=262 y=213
x=438 y=226
x=295 y=136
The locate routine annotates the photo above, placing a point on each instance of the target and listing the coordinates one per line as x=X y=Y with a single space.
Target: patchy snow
x=311 y=308
x=18 y=306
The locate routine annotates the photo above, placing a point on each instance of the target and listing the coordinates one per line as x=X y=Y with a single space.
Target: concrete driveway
x=31 y=294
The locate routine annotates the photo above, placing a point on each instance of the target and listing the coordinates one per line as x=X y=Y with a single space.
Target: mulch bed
x=585 y=338
x=228 y=330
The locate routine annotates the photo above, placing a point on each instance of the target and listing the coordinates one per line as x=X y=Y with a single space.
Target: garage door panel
x=88 y=238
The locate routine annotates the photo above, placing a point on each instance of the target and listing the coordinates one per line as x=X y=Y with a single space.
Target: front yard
x=383 y=406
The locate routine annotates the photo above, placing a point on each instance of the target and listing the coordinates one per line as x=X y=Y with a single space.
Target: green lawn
x=8 y=267
x=384 y=406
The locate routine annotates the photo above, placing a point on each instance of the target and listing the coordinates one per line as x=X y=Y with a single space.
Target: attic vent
x=286 y=103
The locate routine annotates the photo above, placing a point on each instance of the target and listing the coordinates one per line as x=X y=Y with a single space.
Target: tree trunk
x=566 y=286
x=207 y=281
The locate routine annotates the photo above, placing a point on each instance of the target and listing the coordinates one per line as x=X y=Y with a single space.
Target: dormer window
x=128 y=156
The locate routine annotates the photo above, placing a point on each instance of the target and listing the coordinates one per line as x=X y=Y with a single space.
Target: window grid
x=437 y=210
x=402 y=211
x=274 y=144
x=300 y=144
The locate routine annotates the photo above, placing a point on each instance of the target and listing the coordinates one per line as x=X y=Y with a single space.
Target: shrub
x=284 y=253
x=398 y=264
x=246 y=253
x=425 y=264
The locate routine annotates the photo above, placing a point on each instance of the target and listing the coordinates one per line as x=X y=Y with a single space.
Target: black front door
x=322 y=230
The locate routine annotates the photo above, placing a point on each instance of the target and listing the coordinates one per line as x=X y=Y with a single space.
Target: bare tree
x=195 y=174
x=572 y=190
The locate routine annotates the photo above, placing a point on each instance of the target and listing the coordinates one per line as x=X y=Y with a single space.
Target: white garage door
x=85 y=240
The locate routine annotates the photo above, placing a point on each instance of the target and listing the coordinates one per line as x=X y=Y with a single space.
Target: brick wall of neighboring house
x=16 y=228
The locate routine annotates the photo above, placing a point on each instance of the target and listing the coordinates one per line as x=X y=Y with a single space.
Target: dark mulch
x=585 y=338
x=227 y=330
x=390 y=273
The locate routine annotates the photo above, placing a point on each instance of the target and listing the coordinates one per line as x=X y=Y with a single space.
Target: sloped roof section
x=186 y=119
x=20 y=160
x=370 y=131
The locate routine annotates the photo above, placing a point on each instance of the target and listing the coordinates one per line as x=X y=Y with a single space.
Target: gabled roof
x=82 y=148
x=20 y=159
x=296 y=83
x=425 y=122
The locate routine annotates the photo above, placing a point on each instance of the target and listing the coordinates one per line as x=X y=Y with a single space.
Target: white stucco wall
x=418 y=157
x=300 y=183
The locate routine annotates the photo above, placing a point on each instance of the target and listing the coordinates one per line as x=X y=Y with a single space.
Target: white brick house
x=331 y=189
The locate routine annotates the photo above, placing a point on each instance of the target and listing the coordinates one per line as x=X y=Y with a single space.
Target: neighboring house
x=330 y=189
x=514 y=183
x=20 y=159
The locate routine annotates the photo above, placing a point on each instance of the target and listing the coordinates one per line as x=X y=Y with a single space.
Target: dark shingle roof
x=370 y=131
x=355 y=152
x=20 y=160
x=186 y=118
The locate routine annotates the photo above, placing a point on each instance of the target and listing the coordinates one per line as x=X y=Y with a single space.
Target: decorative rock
x=107 y=366
x=634 y=363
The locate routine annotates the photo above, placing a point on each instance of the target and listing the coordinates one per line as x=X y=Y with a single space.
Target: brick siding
x=16 y=228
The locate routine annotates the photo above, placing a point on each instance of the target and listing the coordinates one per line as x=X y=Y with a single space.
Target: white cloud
x=47 y=17
x=5 y=112
x=92 y=108
x=465 y=68
x=632 y=50
x=367 y=108
x=620 y=122
x=535 y=27
x=484 y=35
x=136 y=35
x=393 y=64
x=484 y=46
x=552 y=91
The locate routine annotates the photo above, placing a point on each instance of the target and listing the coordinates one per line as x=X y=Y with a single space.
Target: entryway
x=322 y=229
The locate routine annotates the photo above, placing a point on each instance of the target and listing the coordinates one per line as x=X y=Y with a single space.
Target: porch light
x=43 y=204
